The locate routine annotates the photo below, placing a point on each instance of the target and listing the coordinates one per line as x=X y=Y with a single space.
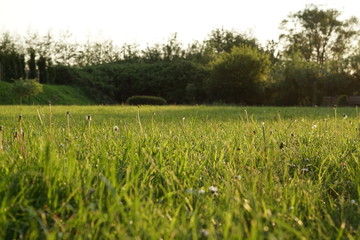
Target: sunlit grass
x=179 y=172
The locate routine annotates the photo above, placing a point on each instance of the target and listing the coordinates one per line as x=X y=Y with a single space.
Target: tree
x=318 y=34
x=11 y=59
x=172 y=49
x=300 y=83
x=27 y=88
x=239 y=76
x=221 y=40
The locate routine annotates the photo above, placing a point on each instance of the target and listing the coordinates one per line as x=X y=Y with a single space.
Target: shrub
x=146 y=100
x=26 y=88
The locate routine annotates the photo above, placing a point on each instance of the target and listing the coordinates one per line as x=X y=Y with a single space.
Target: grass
x=178 y=172
x=57 y=94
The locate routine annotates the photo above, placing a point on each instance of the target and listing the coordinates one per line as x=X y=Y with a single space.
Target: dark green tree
x=11 y=59
x=32 y=72
x=42 y=68
x=239 y=76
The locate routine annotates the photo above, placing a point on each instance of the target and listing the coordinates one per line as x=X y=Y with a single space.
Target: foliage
x=6 y=93
x=301 y=82
x=12 y=62
x=178 y=172
x=27 y=88
x=146 y=100
x=221 y=40
x=240 y=76
x=118 y=82
x=319 y=34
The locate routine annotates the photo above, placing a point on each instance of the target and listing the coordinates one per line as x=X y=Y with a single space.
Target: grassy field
x=178 y=172
x=57 y=94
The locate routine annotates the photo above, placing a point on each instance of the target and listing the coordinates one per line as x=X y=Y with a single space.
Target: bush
x=27 y=88
x=145 y=100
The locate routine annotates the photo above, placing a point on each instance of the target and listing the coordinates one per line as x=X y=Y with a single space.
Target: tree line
x=317 y=55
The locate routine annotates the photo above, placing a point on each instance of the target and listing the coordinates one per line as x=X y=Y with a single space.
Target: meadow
x=179 y=172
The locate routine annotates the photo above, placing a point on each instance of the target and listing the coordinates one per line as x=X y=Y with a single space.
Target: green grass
x=178 y=172
x=56 y=94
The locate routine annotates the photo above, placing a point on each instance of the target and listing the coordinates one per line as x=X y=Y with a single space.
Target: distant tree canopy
x=319 y=35
x=317 y=55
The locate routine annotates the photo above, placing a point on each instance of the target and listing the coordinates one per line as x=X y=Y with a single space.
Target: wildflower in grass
x=88 y=117
x=116 y=128
x=314 y=126
x=204 y=233
x=213 y=189
x=304 y=170
x=345 y=116
x=353 y=202
x=201 y=191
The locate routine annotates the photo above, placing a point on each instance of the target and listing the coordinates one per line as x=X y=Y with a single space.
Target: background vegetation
x=317 y=55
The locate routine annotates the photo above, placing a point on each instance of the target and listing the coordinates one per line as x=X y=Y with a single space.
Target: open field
x=179 y=172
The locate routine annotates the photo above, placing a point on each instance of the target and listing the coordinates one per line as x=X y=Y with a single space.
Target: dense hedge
x=146 y=100
x=177 y=81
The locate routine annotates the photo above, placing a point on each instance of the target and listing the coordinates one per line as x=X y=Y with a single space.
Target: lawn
x=179 y=172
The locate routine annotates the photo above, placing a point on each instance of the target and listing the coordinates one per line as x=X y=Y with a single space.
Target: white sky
x=153 y=21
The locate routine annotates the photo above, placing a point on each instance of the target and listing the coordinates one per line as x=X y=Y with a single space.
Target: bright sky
x=153 y=21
